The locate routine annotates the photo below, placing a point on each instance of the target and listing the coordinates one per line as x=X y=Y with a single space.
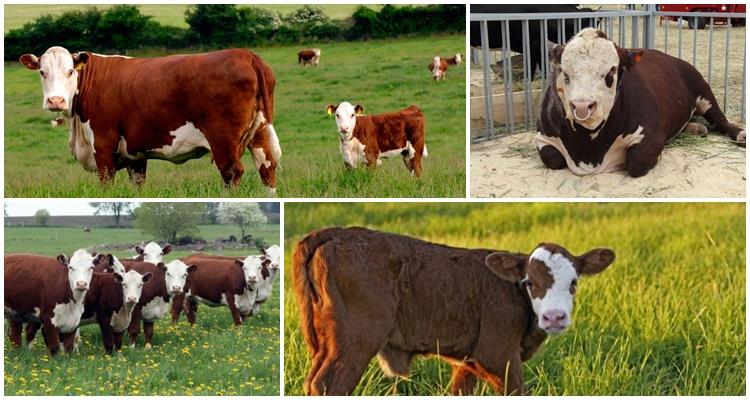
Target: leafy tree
x=41 y=217
x=215 y=24
x=244 y=215
x=116 y=209
x=121 y=26
x=168 y=221
x=210 y=214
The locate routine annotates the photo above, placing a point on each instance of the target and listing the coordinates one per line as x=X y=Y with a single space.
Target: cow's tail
x=304 y=289
x=266 y=86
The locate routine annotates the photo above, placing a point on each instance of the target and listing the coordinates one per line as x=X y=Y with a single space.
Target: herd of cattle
x=60 y=294
x=186 y=113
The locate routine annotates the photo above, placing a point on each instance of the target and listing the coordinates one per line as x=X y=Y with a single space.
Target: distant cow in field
x=152 y=252
x=123 y=111
x=363 y=293
x=367 y=138
x=48 y=291
x=607 y=108
x=439 y=65
x=308 y=56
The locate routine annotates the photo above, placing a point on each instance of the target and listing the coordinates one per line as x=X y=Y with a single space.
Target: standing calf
x=439 y=66
x=308 y=56
x=366 y=138
x=363 y=293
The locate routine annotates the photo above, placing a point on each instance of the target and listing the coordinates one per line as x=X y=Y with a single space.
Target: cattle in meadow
x=308 y=56
x=123 y=111
x=439 y=66
x=608 y=108
x=367 y=138
x=363 y=293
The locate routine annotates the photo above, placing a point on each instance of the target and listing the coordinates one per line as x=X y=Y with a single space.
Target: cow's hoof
x=741 y=136
x=271 y=191
x=147 y=346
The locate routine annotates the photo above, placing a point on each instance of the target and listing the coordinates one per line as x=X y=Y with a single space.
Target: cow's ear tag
x=80 y=66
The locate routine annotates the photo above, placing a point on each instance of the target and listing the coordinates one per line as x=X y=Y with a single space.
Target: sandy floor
x=707 y=167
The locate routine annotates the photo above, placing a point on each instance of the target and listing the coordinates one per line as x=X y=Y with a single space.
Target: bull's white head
x=175 y=275
x=346 y=117
x=80 y=268
x=457 y=58
x=550 y=278
x=132 y=285
x=585 y=75
x=255 y=269
x=59 y=73
x=152 y=252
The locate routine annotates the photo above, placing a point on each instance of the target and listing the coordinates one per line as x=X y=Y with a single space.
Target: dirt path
x=707 y=167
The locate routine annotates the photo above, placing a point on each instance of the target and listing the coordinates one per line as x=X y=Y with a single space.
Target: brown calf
x=308 y=56
x=363 y=293
x=439 y=65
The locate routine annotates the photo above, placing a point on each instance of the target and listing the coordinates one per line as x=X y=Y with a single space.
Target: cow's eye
x=567 y=78
x=352 y=116
x=91 y=267
x=42 y=73
x=338 y=115
x=168 y=274
x=70 y=73
x=574 y=283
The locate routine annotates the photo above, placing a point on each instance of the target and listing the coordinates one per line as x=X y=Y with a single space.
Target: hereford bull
x=123 y=111
x=363 y=293
x=607 y=107
x=50 y=292
x=439 y=65
x=367 y=138
x=308 y=56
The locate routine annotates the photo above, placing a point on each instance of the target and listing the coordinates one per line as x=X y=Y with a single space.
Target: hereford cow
x=110 y=301
x=265 y=286
x=308 y=56
x=124 y=111
x=367 y=138
x=219 y=282
x=168 y=281
x=363 y=293
x=50 y=292
x=439 y=65
x=152 y=252
x=607 y=107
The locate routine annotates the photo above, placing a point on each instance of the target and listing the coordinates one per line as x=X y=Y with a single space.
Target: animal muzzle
x=176 y=289
x=582 y=110
x=554 y=321
x=57 y=103
x=132 y=299
x=82 y=285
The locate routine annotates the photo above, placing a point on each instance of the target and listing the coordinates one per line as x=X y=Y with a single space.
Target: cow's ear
x=110 y=260
x=80 y=60
x=508 y=266
x=239 y=263
x=192 y=268
x=139 y=249
x=264 y=272
x=30 y=61
x=359 y=109
x=147 y=277
x=161 y=266
x=595 y=261
x=99 y=258
x=166 y=249
x=628 y=59
x=555 y=52
x=263 y=251
x=117 y=277
x=62 y=259
x=330 y=109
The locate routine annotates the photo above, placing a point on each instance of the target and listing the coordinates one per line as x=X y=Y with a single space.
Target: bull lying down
x=363 y=293
x=609 y=108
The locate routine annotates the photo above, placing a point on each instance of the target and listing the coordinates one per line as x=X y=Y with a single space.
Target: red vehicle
x=701 y=22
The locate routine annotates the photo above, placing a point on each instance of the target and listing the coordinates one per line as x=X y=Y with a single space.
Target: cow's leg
x=14 y=332
x=137 y=171
x=551 y=157
x=233 y=310
x=463 y=381
x=228 y=162
x=709 y=108
x=105 y=326
x=265 y=163
x=105 y=164
x=69 y=340
x=372 y=156
x=255 y=310
x=642 y=157
x=31 y=329
x=191 y=307
x=117 y=339
x=177 y=304
x=148 y=332
x=416 y=160
x=135 y=324
x=51 y=335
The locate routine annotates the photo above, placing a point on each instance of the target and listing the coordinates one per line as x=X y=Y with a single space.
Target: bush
x=41 y=217
x=393 y=21
x=308 y=23
x=259 y=243
x=121 y=27
x=258 y=25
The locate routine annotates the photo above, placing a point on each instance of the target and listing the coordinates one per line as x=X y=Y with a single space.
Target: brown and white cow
x=168 y=281
x=123 y=111
x=223 y=282
x=50 y=292
x=363 y=293
x=367 y=138
x=439 y=65
x=308 y=56
x=152 y=252
x=609 y=108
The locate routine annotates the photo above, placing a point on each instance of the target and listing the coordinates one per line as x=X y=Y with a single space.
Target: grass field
x=211 y=358
x=382 y=75
x=667 y=318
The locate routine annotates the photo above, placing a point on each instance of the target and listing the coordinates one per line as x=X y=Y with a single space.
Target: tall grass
x=667 y=318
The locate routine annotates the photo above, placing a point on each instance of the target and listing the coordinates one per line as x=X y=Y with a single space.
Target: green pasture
x=211 y=358
x=667 y=318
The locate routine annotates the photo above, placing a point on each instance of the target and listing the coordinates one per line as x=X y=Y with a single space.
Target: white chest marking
x=353 y=151
x=121 y=318
x=613 y=160
x=245 y=301
x=187 y=139
x=67 y=316
x=81 y=142
x=155 y=309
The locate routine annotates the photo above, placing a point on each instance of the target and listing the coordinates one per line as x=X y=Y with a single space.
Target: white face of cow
x=153 y=253
x=132 y=285
x=346 y=118
x=274 y=253
x=252 y=268
x=587 y=77
x=176 y=273
x=80 y=268
x=550 y=278
x=457 y=57
x=57 y=68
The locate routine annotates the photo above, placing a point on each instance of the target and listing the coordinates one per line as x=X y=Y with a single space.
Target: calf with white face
x=176 y=273
x=152 y=253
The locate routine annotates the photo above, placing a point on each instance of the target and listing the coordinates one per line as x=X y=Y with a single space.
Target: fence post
x=649 y=26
